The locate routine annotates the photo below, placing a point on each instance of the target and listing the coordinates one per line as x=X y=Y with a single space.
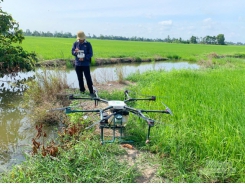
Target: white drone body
x=117 y=104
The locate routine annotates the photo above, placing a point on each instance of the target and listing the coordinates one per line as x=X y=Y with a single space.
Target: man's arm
x=90 y=52
x=73 y=52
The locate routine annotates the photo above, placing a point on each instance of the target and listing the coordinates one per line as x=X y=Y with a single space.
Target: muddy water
x=16 y=130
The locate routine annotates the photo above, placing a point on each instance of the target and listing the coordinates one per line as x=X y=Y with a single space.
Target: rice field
x=60 y=48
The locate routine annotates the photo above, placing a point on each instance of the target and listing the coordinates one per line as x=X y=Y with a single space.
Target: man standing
x=82 y=50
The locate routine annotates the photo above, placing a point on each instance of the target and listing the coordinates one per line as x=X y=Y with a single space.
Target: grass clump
x=86 y=162
x=43 y=94
x=173 y=57
x=120 y=73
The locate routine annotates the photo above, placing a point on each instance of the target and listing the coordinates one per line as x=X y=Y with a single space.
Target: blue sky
x=141 y=18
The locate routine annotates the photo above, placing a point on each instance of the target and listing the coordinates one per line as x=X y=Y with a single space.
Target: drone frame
x=117 y=113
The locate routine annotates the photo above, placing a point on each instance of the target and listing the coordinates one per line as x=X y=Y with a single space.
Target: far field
x=60 y=48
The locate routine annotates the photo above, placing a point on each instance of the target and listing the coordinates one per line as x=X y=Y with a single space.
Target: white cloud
x=166 y=23
x=207 y=20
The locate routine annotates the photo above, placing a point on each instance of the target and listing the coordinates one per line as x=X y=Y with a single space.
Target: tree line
x=214 y=40
x=193 y=39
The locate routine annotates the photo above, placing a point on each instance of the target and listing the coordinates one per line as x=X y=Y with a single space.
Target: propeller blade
x=168 y=109
x=92 y=125
x=63 y=108
x=170 y=112
x=57 y=109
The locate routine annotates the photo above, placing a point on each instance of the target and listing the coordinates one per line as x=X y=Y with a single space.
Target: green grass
x=60 y=48
x=204 y=140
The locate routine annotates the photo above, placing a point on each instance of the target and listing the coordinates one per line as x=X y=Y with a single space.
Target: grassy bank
x=60 y=48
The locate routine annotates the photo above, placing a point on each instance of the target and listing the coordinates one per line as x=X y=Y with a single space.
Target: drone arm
x=68 y=110
x=87 y=98
x=136 y=112
x=105 y=109
x=153 y=98
x=101 y=99
x=160 y=111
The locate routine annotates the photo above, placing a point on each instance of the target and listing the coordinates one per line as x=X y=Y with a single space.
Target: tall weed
x=43 y=94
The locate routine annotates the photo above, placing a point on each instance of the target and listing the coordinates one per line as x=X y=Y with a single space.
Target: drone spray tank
x=121 y=116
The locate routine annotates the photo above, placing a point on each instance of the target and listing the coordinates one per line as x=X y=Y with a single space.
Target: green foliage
x=193 y=39
x=221 y=39
x=13 y=58
x=138 y=59
x=173 y=57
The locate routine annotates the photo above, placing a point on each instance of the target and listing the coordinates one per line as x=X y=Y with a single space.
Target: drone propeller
x=168 y=109
x=93 y=125
x=149 y=96
x=126 y=92
x=62 y=108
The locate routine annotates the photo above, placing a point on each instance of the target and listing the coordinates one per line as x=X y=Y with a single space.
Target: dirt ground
x=113 y=85
x=146 y=163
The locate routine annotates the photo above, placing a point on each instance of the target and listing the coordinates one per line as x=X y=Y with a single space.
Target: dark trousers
x=80 y=70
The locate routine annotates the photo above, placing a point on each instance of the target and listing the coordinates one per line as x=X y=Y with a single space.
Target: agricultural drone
x=115 y=115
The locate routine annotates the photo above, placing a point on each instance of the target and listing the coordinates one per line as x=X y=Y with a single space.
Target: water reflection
x=12 y=126
x=109 y=72
x=16 y=130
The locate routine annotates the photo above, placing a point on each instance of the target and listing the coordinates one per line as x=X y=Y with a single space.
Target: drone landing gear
x=148 y=135
x=150 y=124
x=114 y=128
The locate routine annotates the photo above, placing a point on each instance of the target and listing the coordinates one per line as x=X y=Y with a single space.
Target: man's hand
x=80 y=59
x=76 y=50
